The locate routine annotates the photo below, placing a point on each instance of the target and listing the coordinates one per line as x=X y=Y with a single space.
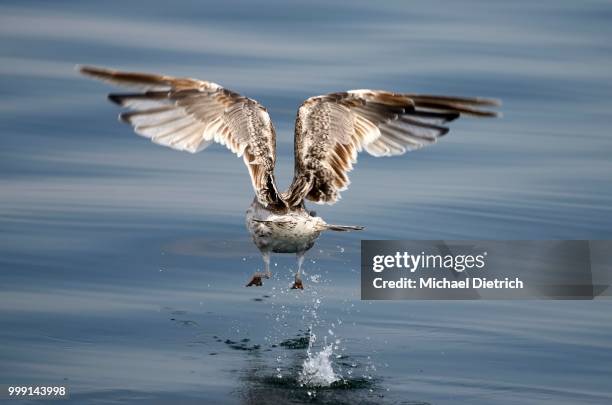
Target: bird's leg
x=297 y=284
x=266 y=259
x=256 y=279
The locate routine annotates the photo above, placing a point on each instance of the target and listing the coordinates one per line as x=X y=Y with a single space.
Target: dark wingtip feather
x=462 y=105
x=93 y=71
x=443 y=131
x=484 y=113
x=125 y=117
x=116 y=98
x=475 y=101
x=462 y=109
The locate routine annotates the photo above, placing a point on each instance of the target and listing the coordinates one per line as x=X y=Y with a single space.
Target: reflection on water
x=123 y=264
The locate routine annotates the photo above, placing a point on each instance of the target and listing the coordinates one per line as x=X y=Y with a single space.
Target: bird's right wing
x=330 y=130
x=189 y=114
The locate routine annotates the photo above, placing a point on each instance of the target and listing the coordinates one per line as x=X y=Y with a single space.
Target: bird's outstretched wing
x=330 y=130
x=189 y=114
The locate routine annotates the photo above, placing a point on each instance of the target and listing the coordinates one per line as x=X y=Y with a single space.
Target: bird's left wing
x=331 y=129
x=189 y=114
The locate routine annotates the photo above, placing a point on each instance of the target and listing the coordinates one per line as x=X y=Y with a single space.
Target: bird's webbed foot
x=297 y=284
x=256 y=280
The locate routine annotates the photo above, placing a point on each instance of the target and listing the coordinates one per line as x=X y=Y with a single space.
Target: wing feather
x=332 y=129
x=189 y=115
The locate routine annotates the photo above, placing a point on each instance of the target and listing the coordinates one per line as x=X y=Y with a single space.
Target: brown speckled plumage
x=330 y=130
x=189 y=114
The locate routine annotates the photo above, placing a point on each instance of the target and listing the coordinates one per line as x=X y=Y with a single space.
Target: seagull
x=330 y=130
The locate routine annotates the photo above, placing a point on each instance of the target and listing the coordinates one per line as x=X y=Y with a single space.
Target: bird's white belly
x=290 y=233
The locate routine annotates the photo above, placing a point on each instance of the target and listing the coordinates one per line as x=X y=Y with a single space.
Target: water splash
x=325 y=365
x=317 y=370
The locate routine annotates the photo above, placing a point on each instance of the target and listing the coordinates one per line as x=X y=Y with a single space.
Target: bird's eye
x=313 y=213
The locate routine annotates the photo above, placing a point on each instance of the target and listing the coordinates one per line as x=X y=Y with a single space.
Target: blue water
x=122 y=264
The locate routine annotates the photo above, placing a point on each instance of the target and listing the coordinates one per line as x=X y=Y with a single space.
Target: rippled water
x=122 y=264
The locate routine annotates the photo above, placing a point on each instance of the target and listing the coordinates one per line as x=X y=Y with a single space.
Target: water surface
x=122 y=264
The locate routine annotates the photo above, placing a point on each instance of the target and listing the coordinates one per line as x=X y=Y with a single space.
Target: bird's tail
x=343 y=228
